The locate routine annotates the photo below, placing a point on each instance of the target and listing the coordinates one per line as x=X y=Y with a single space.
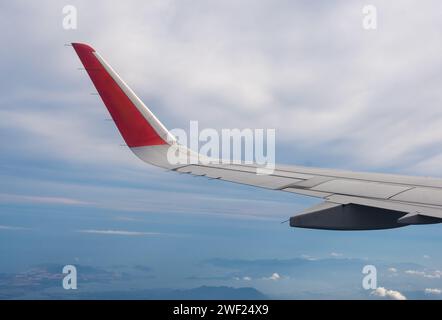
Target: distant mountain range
x=199 y=293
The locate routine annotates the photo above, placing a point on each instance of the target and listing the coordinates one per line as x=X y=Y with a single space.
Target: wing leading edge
x=352 y=200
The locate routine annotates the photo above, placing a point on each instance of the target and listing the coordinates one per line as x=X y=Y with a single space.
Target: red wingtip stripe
x=134 y=128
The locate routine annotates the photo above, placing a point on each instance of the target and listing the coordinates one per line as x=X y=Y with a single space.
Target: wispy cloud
x=433 y=291
x=435 y=274
x=120 y=232
x=129 y=219
x=386 y=293
x=308 y=257
x=336 y=254
x=13 y=228
x=245 y=278
x=14 y=198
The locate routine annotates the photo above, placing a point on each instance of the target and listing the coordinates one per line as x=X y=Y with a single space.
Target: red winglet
x=132 y=125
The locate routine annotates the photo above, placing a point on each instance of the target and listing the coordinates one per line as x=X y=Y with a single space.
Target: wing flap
x=307 y=192
x=430 y=196
x=244 y=177
x=360 y=188
x=390 y=205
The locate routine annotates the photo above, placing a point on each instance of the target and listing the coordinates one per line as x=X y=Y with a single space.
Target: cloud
x=436 y=274
x=130 y=219
x=426 y=256
x=308 y=257
x=433 y=291
x=336 y=254
x=275 y=277
x=53 y=129
x=120 y=232
x=385 y=293
x=13 y=198
x=129 y=197
x=392 y=270
x=12 y=228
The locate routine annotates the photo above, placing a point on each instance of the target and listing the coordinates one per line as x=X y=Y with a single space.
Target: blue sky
x=337 y=95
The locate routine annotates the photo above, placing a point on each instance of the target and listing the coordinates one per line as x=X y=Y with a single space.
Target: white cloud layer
x=366 y=99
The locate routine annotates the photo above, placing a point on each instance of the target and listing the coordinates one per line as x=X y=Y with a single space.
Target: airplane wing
x=352 y=200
